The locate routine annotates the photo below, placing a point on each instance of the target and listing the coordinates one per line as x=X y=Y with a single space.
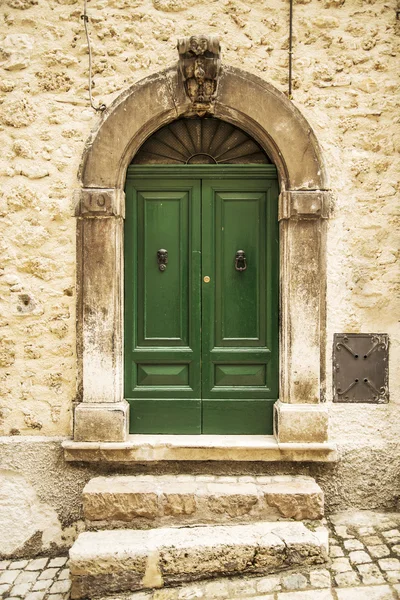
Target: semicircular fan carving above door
x=200 y=141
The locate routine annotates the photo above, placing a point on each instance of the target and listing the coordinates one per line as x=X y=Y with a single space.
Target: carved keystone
x=99 y=203
x=304 y=205
x=199 y=63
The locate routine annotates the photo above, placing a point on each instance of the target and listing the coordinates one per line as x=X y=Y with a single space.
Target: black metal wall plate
x=361 y=367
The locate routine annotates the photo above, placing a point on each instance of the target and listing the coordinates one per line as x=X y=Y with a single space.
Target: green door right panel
x=201 y=356
x=240 y=317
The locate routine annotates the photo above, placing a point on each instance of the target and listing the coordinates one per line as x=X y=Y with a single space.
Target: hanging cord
x=290 y=47
x=85 y=20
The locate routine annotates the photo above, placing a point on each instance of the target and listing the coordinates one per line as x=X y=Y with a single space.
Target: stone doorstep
x=144 y=448
x=108 y=562
x=173 y=500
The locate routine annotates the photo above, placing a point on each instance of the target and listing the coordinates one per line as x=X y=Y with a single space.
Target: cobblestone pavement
x=364 y=565
x=35 y=579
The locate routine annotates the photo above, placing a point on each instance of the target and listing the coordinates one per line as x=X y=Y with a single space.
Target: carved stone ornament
x=199 y=62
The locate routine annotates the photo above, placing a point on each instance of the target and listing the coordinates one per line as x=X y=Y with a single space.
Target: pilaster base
x=301 y=423
x=102 y=422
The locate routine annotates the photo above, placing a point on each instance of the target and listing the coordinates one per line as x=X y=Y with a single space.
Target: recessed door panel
x=163 y=296
x=240 y=294
x=163 y=375
x=240 y=375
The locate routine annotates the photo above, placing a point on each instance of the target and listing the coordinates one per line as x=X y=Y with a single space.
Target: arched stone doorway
x=278 y=127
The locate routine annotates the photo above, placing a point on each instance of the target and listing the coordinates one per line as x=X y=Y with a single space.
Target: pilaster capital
x=298 y=205
x=96 y=202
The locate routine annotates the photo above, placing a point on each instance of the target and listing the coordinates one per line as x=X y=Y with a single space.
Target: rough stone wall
x=345 y=83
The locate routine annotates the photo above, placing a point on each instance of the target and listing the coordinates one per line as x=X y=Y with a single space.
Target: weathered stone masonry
x=346 y=86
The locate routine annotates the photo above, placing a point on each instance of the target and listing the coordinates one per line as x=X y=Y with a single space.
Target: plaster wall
x=346 y=85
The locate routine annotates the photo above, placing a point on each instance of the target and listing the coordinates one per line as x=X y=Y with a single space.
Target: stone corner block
x=102 y=422
x=94 y=202
x=301 y=423
x=313 y=204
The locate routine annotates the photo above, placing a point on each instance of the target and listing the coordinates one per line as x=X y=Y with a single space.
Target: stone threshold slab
x=105 y=562
x=143 y=448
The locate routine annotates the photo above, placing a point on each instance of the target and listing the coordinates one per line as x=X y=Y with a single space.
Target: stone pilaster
x=102 y=415
x=302 y=216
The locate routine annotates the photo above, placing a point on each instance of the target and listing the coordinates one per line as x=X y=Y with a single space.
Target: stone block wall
x=346 y=84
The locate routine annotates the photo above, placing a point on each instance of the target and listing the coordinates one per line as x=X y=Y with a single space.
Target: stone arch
x=277 y=125
x=242 y=99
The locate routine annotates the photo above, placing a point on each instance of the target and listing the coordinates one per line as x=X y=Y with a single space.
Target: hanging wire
x=290 y=47
x=85 y=20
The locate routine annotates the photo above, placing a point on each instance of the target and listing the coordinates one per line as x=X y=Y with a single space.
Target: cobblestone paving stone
x=364 y=565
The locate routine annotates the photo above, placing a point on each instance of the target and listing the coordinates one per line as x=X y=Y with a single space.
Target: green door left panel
x=162 y=347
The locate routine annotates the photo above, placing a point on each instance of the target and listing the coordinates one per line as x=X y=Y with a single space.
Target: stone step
x=155 y=501
x=116 y=561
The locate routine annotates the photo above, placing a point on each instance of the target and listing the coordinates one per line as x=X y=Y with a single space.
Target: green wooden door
x=201 y=337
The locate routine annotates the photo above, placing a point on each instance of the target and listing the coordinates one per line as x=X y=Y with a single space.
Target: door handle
x=162 y=259
x=240 y=261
